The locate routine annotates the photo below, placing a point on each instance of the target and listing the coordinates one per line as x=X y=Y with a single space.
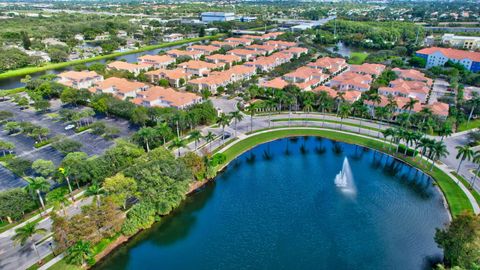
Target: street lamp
x=51 y=247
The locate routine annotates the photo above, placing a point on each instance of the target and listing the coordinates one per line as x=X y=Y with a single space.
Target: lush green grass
x=457 y=200
x=327 y=121
x=357 y=58
x=471 y=125
x=30 y=70
x=44 y=261
x=12 y=91
x=475 y=194
x=63 y=265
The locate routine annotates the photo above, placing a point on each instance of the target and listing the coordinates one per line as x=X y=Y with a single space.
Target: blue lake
x=277 y=207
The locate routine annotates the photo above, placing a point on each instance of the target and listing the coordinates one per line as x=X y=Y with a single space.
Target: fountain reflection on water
x=344 y=179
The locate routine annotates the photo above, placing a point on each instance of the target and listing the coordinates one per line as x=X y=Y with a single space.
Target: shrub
x=141 y=216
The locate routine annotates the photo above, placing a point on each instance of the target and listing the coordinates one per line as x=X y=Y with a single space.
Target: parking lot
x=24 y=145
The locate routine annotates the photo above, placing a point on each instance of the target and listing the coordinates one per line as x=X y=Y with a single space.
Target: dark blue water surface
x=277 y=207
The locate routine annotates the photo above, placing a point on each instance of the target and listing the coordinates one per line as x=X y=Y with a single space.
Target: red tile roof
x=452 y=53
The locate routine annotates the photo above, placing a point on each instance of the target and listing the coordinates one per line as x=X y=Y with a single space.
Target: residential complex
x=464 y=42
x=79 y=79
x=436 y=56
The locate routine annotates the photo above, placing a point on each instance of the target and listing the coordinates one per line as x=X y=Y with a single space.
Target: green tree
x=35 y=186
x=6 y=146
x=463 y=153
x=120 y=188
x=43 y=167
x=140 y=116
x=27 y=233
x=223 y=121
x=80 y=253
x=344 y=112
x=252 y=109
x=196 y=136
x=439 y=149
x=237 y=116
x=209 y=138
x=146 y=134
x=14 y=203
x=460 y=241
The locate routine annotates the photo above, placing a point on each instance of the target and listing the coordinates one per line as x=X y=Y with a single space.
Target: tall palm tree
x=210 y=137
x=59 y=200
x=474 y=102
x=79 y=253
x=439 y=150
x=36 y=186
x=26 y=233
x=269 y=105
x=445 y=130
x=178 y=143
x=196 y=136
x=237 y=116
x=389 y=132
x=399 y=136
x=164 y=131
x=410 y=105
x=64 y=173
x=376 y=100
x=463 y=153
x=344 y=112
x=476 y=160
x=252 y=109
x=147 y=134
x=340 y=98
x=223 y=120
x=96 y=191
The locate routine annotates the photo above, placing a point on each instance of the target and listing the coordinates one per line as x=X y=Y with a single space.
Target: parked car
x=69 y=127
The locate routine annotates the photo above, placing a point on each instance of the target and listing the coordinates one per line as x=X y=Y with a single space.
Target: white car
x=69 y=127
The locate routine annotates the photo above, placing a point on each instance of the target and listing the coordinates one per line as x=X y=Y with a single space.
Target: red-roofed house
x=198 y=68
x=295 y=51
x=246 y=55
x=263 y=49
x=157 y=61
x=403 y=88
x=225 y=45
x=195 y=55
x=371 y=69
x=330 y=91
x=129 y=67
x=281 y=45
x=239 y=41
x=205 y=49
x=412 y=75
x=223 y=58
x=351 y=81
x=118 y=87
x=173 y=76
x=439 y=108
x=79 y=79
x=166 y=97
x=306 y=78
x=330 y=65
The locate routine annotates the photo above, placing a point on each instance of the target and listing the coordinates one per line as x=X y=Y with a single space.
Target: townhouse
x=195 y=55
x=173 y=37
x=412 y=75
x=156 y=61
x=373 y=70
x=404 y=88
x=306 y=78
x=295 y=51
x=222 y=79
x=136 y=69
x=263 y=49
x=400 y=108
x=205 y=49
x=79 y=79
x=199 y=68
x=439 y=108
x=271 y=35
x=119 y=87
x=224 y=44
x=223 y=58
x=351 y=81
x=239 y=41
x=166 y=97
x=330 y=65
x=322 y=88
x=245 y=54
x=280 y=45
x=174 y=76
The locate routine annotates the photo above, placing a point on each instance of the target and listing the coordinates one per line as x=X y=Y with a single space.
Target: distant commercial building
x=217 y=16
x=465 y=42
x=247 y=19
x=439 y=56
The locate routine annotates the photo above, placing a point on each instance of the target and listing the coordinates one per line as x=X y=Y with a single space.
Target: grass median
x=456 y=198
x=326 y=121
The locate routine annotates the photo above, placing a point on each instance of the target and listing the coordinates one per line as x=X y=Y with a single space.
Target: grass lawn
x=357 y=58
x=475 y=194
x=327 y=121
x=30 y=70
x=457 y=200
x=471 y=125
x=63 y=265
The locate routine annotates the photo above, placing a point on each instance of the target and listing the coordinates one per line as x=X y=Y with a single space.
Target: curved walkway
x=474 y=205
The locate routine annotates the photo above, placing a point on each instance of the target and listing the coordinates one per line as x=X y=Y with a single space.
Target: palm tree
x=340 y=99
x=376 y=100
x=344 y=112
x=399 y=136
x=252 y=109
x=37 y=185
x=237 y=116
x=209 y=137
x=96 y=191
x=463 y=153
x=58 y=200
x=389 y=132
x=439 y=150
x=80 y=252
x=410 y=105
x=26 y=233
x=445 y=130
x=425 y=143
x=476 y=160
x=474 y=102
x=147 y=134
x=164 y=131
x=178 y=143
x=223 y=120
x=196 y=136
x=269 y=105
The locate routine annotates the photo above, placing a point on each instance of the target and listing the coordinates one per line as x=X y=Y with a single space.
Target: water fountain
x=344 y=179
